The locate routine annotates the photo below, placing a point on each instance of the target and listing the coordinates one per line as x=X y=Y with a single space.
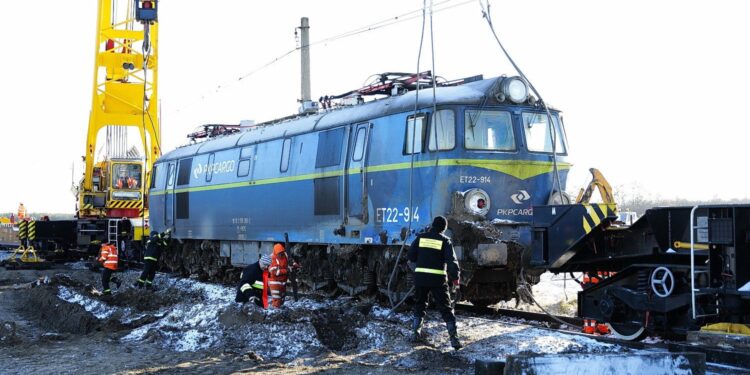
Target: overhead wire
x=524 y=289
x=408 y=16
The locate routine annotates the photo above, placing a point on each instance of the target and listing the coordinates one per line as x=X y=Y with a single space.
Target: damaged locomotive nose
x=491 y=255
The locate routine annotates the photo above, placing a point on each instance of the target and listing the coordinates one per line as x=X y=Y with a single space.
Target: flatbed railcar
x=351 y=185
x=674 y=271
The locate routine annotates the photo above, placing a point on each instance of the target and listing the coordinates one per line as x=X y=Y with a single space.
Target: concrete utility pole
x=307 y=106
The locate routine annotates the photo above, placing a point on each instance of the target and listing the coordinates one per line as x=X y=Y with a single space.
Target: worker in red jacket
x=277 y=275
x=109 y=258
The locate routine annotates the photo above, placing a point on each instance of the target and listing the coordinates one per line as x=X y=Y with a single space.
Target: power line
x=408 y=16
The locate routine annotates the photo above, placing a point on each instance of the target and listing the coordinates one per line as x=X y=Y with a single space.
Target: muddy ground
x=60 y=324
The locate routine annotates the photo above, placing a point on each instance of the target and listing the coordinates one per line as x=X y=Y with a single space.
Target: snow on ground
x=4 y=255
x=558 y=294
x=98 y=309
x=194 y=316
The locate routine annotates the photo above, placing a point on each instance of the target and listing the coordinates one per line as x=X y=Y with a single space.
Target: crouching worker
x=254 y=283
x=431 y=255
x=108 y=257
x=277 y=275
x=154 y=247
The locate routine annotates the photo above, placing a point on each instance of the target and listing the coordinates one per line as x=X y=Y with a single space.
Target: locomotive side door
x=169 y=196
x=356 y=174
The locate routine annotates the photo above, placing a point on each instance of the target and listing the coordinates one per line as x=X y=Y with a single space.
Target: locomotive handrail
x=692 y=260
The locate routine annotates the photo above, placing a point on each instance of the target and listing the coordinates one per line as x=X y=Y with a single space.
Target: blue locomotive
x=350 y=185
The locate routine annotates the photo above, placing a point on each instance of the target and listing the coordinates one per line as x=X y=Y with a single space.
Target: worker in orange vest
x=109 y=258
x=277 y=275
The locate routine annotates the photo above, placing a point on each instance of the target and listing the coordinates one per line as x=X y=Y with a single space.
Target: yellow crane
x=124 y=96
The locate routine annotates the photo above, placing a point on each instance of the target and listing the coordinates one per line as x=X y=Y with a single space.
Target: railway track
x=717 y=358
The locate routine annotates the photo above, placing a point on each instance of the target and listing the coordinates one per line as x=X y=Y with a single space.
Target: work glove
x=456 y=284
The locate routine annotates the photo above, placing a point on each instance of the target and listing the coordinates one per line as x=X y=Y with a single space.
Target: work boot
x=416 y=329
x=454 y=335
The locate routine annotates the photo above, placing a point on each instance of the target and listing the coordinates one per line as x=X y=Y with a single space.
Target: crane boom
x=124 y=95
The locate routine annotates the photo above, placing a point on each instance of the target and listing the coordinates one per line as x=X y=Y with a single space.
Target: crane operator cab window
x=126 y=177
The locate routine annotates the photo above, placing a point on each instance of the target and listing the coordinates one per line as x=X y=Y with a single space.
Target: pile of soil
x=146 y=300
x=337 y=327
x=49 y=312
x=8 y=334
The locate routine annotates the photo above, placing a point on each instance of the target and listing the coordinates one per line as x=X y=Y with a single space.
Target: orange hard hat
x=278 y=248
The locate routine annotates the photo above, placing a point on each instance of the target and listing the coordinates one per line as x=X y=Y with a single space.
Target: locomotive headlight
x=515 y=89
x=476 y=201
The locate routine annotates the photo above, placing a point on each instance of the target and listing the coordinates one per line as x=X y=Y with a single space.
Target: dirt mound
x=8 y=334
x=43 y=306
x=146 y=300
x=235 y=317
x=337 y=327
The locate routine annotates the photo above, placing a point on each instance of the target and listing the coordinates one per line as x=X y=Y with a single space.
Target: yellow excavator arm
x=597 y=181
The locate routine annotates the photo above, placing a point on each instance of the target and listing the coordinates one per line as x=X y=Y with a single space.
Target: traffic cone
x=588 y=327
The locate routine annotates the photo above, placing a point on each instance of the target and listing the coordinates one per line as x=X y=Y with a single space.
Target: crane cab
x=116 y=192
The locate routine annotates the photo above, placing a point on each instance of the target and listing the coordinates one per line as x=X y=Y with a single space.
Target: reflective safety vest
x=254 y=281
x=279 y=267
x=109 y=257
x=435 y=260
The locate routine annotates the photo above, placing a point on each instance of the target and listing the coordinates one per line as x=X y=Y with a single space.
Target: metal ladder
x=112 y=233
x=693 y=271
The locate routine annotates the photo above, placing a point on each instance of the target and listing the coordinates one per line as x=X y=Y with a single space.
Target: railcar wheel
x=627 y=331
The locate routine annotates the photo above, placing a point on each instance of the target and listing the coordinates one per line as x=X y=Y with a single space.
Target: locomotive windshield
x=489 y=130
x=538 y=134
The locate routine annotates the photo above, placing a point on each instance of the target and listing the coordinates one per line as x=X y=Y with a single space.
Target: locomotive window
x=183 y=175
x=209 y=168
x=244 y=168
x=329 y=148
x=442 y=130
x=285 y=151
x=182 y=201
x=170 y=175
x=414 y=135
x=489 y=130
x=359 y=144
x=538 y=134
x=153 y=177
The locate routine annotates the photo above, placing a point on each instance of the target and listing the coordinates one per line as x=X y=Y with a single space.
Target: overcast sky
x=653 y=92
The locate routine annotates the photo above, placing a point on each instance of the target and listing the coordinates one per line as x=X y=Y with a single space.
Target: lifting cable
x=411 y=165
x=146 y=51
x=553 y=131
x=434 y=120
x=524 y=288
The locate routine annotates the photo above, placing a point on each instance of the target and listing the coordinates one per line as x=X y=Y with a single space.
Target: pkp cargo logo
x=520 y=197
x=197 y=170
x=219 y=167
